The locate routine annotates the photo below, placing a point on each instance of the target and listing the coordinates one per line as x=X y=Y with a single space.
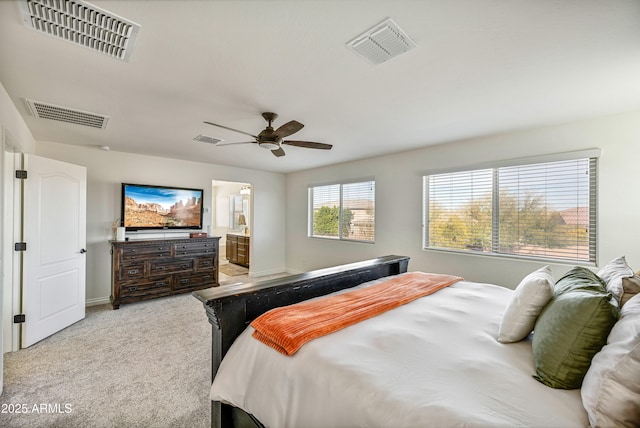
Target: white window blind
x=343 y=211
x=542 y=210
x=326 y=211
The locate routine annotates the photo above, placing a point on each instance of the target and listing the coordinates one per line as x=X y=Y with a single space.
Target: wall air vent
x=81 y=23
x=63 y=114
x=382 y=42
x=206 y=139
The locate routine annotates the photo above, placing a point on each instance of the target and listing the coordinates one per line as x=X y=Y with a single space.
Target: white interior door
x=54 y=263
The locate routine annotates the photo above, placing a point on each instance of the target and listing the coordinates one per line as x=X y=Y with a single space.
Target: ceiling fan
x=272 y=139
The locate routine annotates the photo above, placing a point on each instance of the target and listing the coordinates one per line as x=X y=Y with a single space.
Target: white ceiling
x=481 y=67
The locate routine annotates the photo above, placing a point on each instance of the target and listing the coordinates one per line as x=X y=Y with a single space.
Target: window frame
x=593 y=238
x=341 y=184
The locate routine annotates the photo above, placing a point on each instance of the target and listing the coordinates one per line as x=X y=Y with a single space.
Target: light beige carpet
x=144 y=365
x=231 y=269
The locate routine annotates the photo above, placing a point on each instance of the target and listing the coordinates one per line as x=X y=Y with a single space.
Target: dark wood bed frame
x=231 y=308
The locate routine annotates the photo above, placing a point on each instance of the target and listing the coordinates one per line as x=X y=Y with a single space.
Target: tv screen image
x=161 y=207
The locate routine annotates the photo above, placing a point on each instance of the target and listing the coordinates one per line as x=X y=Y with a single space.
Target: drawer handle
x=184 y=281
x=133 y=288
x=160 y=284
x=161 y=267
x=133 y=272
x=207 y=276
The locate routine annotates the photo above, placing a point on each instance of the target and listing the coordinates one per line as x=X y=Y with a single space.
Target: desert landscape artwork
x=161 y=207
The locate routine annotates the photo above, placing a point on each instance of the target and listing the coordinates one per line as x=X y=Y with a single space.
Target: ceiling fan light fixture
x=267 y=140
x=269 y=145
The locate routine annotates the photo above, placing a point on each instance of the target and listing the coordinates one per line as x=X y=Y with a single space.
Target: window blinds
x=343 y=211
x=326 y=214
x=544 y=210
x=358 y=204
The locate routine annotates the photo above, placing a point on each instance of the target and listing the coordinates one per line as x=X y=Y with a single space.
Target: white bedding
x=432 y=362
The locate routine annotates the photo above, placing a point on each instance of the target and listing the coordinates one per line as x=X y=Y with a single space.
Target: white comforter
x=433 y=362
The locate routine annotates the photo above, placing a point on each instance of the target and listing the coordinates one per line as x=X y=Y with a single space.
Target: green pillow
x=572 y=328
x=579 y=278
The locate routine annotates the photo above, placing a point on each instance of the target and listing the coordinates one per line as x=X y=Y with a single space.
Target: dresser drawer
x=169 y=266
x=194 y=249
x=193 y=280
x=146 y=252
x=144 y=288
x=204 y=264
x=130 y=271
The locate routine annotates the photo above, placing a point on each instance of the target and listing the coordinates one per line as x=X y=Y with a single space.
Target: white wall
x=399 y=199
x=13 y=122
x=106 y=170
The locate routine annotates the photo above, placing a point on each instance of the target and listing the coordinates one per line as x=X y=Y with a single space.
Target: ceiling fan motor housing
x=267 y=140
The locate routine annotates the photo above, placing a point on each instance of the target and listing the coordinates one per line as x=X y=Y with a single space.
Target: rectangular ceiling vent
x=81 y=23
x=382 y=42
x=206 y=139
x=63 y=114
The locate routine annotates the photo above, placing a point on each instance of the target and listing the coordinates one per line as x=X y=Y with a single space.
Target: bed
x=434 y=361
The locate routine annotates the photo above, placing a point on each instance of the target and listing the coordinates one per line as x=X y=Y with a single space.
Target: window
x=542 y=210
x=343 y=211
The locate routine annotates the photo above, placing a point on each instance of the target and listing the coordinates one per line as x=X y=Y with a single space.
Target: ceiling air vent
x=382 y=42
x=81 y=23
x=63 y=114
x=206 y=139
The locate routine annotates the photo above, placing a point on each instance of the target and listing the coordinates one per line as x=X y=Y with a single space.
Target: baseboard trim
x=97 y=301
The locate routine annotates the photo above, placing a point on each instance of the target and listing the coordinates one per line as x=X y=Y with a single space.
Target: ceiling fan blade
x=278 y=152
x=232 y=144
x=308 y=144
x=288 y=129
x=230 y=129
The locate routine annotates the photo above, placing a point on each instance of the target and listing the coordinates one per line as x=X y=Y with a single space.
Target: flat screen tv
x=148 y=207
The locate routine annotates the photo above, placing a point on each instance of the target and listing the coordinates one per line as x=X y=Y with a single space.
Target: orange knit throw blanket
x=287 y=328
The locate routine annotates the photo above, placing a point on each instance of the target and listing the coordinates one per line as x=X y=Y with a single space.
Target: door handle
x=82 y=251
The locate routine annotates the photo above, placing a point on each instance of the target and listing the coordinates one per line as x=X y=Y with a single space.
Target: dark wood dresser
x=150 y=268
x=237 y=249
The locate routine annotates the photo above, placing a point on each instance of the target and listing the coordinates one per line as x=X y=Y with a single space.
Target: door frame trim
x=11 y=232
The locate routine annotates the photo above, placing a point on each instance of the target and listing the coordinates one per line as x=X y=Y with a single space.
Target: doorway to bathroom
x=232 y=214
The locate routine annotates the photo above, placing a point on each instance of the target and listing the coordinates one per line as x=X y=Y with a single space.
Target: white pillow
x=527 y=301
x=613 y=273
x=611 y=387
